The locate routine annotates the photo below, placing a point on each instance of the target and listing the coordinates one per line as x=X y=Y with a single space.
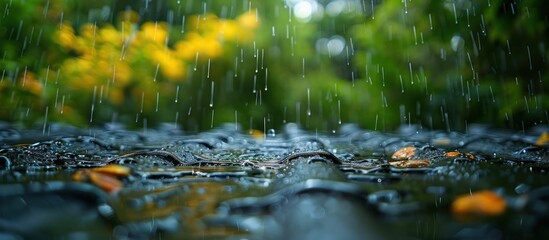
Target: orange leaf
x=113 y=170
x=81 y=175
x=457 y=154
x=106 y=182
x=412 y=163
x=258 y=135
x=543 y=139
x=404 y=153
x=480 y=203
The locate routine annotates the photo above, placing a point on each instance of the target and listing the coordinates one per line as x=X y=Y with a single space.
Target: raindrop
x=526 y=103
x=415 y=35
x=308 y=102
x=455 y=14
x=156 y=72
x=212 y=94
x=339 y=111
x=46 y=8
x=262 y=57
x=157 y=100
x=195 y=62
x=176 y=93
x=303 y=68
x=529 y=56
x=93 y=103
x=411 y=73
x=373 y=12
x=142 y=100
x=100 y=95
x=236 y=67
x=266 y=77
x=401 y=84
x=256 y=55
x=183 y=24
x=468 y=23
x=271 y=132
x=176 y=119
x=45 y=120
x=212 y=121
x=208 y=74
x=430 y=22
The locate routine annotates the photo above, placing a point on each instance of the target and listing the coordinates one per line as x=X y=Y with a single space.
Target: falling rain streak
x=348 y=44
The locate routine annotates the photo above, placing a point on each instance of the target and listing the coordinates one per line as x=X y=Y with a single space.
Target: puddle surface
x=298 y=185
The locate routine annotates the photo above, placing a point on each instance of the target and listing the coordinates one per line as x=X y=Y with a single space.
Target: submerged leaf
x=483 y=202
x=113 y=170
x=105 y=177
x=106 y=182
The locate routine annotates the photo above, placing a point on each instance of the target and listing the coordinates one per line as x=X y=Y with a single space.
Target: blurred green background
x=319 y=63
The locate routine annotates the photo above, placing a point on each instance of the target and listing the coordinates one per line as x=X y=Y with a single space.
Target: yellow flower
x=65 y=36
x=154 y=32
x=185 y=50
x=88 y=31
x=204 y=46
x=229 y=30
x=170 y=67
x=109 y=34
x=122 y=74
x=30 y=83
x=248 y=20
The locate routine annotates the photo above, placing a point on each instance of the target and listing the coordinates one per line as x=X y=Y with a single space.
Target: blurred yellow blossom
x=248 y=20
x=65 y=36
x=154 y=31
x=109 y=34
x=198 y=44
x=170 y=66
x=29 y=82
x=127 y=63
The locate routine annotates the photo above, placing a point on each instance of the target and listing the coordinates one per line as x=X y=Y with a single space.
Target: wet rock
x=37 y=210
x=5 y=162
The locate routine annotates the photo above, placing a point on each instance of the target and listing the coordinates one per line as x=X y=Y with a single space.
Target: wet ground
x=69 y=183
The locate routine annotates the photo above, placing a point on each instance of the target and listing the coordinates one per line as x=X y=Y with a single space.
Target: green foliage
x=439 y=64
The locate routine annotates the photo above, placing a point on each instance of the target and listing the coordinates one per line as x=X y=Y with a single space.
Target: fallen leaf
x=81 y=175
x=106 y=182
x=456 y=154
x=404 y=153
x=411 y=163
x=543 y=139
x=113 y=170
x=258 y=135
x=483 y=202
x=105 y=177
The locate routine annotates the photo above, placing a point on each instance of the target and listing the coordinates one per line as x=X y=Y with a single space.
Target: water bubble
x=457 y=43
x=334 y=8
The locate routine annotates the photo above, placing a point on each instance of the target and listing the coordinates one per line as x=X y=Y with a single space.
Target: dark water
x=291 y=184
